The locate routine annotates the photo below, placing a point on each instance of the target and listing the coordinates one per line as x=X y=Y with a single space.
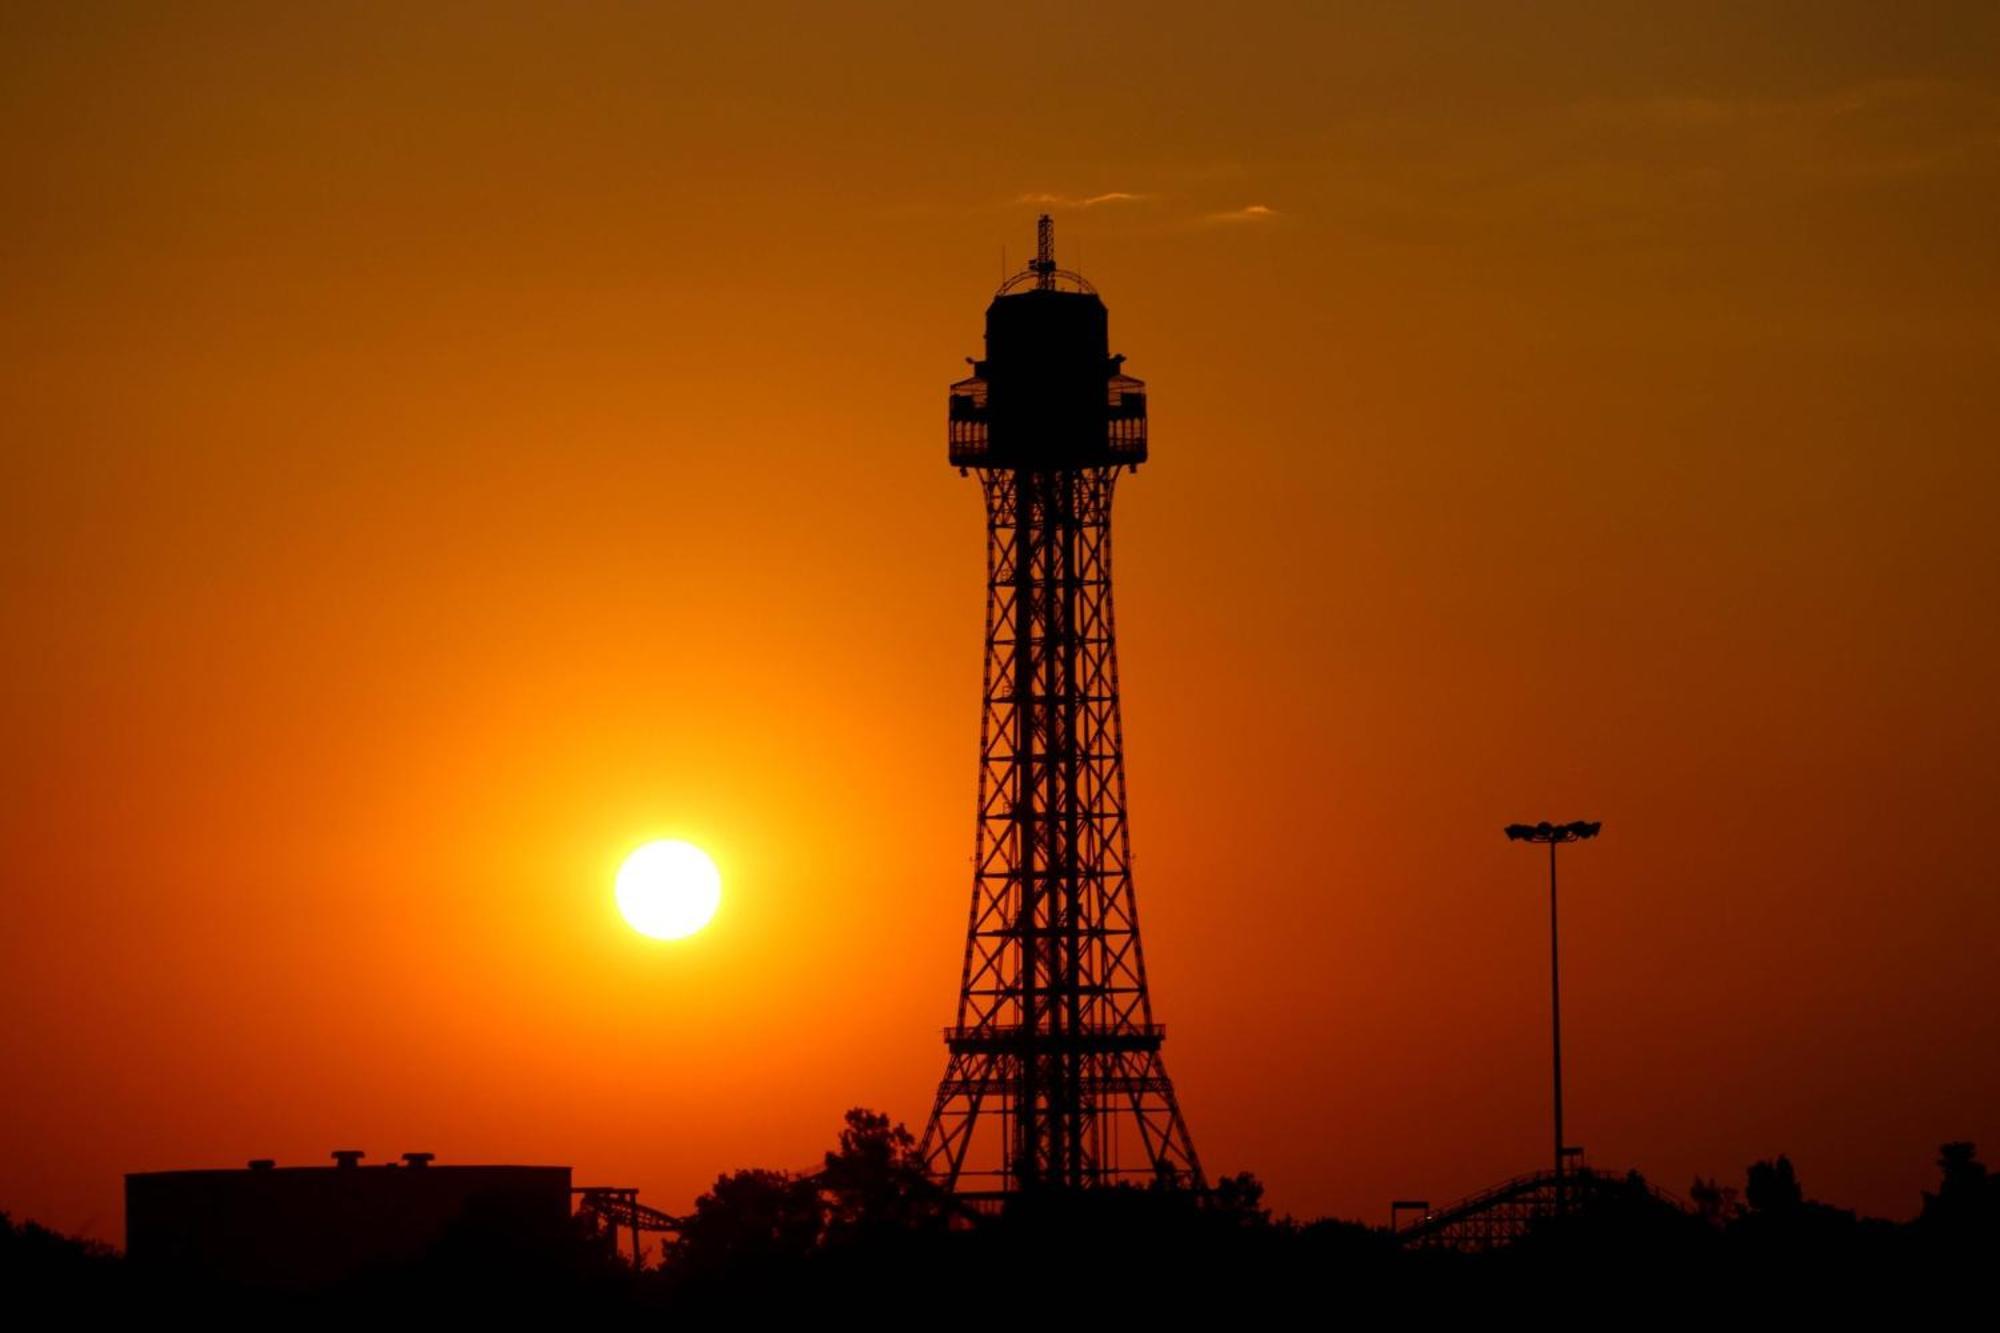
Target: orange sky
x=442 y=447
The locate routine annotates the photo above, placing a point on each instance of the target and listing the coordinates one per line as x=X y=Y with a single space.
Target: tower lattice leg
x=1055 y=1077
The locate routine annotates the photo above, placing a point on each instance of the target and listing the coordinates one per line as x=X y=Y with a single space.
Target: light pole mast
x=1555 y=835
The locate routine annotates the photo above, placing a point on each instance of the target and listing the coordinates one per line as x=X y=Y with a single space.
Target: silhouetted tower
x=1055 y=1078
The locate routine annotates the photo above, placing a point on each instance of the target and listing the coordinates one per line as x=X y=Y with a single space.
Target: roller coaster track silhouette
x=1501 y=1214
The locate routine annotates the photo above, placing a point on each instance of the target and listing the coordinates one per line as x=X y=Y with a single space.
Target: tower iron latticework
x=1054 y=1078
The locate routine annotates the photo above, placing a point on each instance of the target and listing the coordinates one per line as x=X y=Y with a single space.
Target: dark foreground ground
x=866 y=1238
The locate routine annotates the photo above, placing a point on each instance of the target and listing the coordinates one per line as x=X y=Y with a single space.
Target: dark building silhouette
x=308 y=1226
x=1054 y=1078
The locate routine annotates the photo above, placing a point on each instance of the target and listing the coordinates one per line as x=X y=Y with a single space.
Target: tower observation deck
x=1054 y=1077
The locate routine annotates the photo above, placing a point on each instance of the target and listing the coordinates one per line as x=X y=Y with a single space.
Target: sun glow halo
x=668 y=889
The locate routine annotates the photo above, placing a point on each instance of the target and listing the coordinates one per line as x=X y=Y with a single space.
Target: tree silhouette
x=1772 y=1189
x=875 y=1183
x=38 y=1263
x=1966 y=1205
x=1239 y=1199
x=750 y=1219
x=1781 y=1226
x=1714 y=1203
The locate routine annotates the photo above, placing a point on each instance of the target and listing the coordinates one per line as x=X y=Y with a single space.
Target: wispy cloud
x=1084 y=201
x=1248 y=213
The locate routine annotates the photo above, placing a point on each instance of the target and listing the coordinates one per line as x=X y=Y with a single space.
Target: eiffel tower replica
x=1054 y=1079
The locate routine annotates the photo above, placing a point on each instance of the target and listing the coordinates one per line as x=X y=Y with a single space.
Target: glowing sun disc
x=668 y=889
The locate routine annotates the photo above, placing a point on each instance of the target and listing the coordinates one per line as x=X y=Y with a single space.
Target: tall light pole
x=1555 y=835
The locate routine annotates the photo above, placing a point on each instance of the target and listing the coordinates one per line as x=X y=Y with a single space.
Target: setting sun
x=669 y=889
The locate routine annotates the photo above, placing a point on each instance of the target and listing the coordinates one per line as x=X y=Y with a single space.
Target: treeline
x=869 y=1227
x=867 y=1234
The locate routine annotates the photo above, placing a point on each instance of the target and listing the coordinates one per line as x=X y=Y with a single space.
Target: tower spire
x=1045 y=252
